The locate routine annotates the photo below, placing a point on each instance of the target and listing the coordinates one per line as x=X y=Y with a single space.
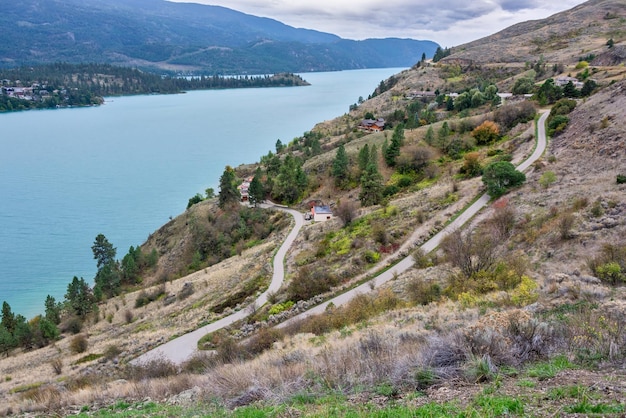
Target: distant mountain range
x=170 y=36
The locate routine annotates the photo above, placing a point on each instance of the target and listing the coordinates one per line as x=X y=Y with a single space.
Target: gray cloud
x=451 y=23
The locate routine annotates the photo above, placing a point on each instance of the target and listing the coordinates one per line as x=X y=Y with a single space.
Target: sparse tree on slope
x=340 y=167
x=228 y=189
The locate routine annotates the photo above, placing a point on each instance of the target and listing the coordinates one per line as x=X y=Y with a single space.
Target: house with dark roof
x=372 y=125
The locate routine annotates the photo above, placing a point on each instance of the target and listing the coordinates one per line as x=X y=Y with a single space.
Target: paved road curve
x=429 y=245
x=181 y=348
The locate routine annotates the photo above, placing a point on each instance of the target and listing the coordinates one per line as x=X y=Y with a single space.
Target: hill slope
x=166 y=35
x=564 y=37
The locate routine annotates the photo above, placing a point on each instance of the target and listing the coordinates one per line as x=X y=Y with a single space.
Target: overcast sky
x=449 y=22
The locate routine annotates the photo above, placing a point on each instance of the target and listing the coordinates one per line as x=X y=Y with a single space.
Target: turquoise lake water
x=122 y=169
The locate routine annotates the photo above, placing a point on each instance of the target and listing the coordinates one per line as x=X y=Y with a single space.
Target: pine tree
x=257 y=190
x=371 y=186
x=340 y=167
x=228 y=190
x=429 y=138
x=364 y=157
x=393 y=150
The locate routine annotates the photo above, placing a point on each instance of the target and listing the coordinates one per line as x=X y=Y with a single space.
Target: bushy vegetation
x=500 y=176
x=558 y=120
x=86 y=84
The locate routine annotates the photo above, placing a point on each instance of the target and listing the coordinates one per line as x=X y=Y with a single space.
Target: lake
x=124 y=168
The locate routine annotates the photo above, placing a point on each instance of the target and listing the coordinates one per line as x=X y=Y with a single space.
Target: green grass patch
x=25 y=388
x=565 y=392
x=549 y=369
x=89 y=357
x=525 y=383
x=586 y=407
x=496 y=406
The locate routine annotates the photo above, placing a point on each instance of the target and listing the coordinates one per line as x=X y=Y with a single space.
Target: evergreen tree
x=103 y=251
x=257 y=190
x=442 y=134
x=371 y=186
x=7 y=341
x=373 y=157
x=363 y=158
x=53 y=310
x=429 y=138
x=340 y=167
x=228 y=189
x=130 y=265
x=108 y=279
x=393 y=150
x=8 y=317
x=79 y=297
x=291 y=180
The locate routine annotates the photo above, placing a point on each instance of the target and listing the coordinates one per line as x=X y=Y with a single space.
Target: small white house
x=321 y=213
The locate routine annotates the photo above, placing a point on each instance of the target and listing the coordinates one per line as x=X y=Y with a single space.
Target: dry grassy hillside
x=429 y=337
x=564 y=37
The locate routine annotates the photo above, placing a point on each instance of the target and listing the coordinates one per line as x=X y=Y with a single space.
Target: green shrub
x=547 y=179
x=280 y=307
x=500 y=176
x=557 y=125
x=371 y=257
x=621 y=179
x=611 y=273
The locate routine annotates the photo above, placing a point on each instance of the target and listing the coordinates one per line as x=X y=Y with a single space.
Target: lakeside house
x=372 y=125
x=563 y=81
x=321 y=213
x=421 y=94
x=244 y=189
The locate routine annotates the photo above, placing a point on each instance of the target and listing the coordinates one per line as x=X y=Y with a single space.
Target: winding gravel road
x=180 y=349
x=407 y=262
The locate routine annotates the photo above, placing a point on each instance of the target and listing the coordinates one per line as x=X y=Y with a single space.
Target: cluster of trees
x=86 y=84
x=80 y=299
x=441 y=53
x=558 y=119
x=549 y=92
x=51 y=99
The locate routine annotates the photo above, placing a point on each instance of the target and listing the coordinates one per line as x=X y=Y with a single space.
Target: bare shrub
x=421 y=292
x=72 y=324
x=445 y=354
x=199 y=363
x=566 y=223
x=153 y=368
x=263 y=340
x=309 y=283
x=57 y=365
x=228 y=350
x=79 y=344
x=187 y=290
x=580 y=203
x=502 y=222
x=346 y=210
x=128 y=316
x=111 y=351
x=471 y=252
x=510 y=115
x=414 y=158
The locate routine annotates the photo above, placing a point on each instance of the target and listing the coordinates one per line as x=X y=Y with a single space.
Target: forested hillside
x=179 y=37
